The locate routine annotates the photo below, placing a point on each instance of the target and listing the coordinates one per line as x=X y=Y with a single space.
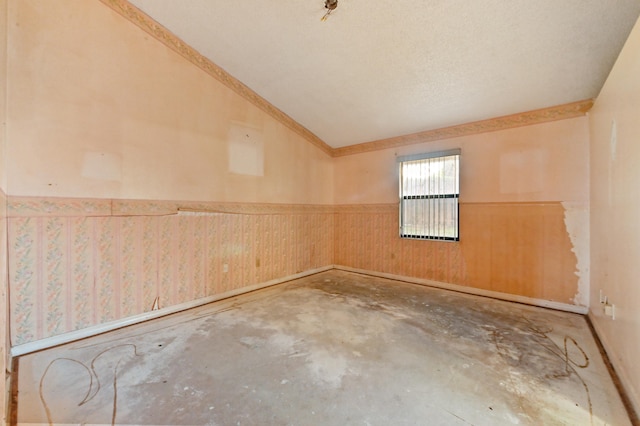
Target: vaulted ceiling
x=380 y=69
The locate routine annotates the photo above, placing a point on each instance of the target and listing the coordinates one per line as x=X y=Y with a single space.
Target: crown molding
x=170 y=40
x=554 y=113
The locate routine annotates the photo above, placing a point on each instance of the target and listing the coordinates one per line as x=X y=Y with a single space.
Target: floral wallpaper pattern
x=69 y=270
x=77 y=263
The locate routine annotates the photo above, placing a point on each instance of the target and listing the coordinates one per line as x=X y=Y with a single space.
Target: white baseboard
x=72 y=336
x=621 y=372
x=475 y=291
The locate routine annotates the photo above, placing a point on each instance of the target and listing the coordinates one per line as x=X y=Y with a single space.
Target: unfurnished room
x=320 y=212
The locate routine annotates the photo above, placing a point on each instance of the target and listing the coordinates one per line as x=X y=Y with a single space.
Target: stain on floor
x=336 y=348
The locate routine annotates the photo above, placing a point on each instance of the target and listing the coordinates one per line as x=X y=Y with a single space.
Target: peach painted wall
x=100 y=109
x=615 y=212
x=541 y=162
x=5 y=358
x=524 y=218
x=109 y=131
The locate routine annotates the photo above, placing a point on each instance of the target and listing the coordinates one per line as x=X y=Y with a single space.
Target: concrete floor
x=335 y=348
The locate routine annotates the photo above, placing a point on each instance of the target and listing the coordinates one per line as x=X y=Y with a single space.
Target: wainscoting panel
x=74 y=264
x=515 y=248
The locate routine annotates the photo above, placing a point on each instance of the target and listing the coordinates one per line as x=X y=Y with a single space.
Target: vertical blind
x=429 y=192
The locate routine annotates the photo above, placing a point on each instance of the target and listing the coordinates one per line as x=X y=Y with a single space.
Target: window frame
x=401 y=203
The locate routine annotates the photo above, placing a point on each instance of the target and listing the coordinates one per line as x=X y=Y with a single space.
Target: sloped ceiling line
x=160 y=33
x=166 y=37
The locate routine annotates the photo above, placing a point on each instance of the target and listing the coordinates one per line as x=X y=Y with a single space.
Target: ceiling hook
x=330 y=5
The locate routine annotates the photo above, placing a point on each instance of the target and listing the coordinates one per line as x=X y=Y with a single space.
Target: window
x=429 y=192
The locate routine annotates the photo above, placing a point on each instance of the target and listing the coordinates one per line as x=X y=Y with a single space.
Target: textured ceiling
x=376 y=70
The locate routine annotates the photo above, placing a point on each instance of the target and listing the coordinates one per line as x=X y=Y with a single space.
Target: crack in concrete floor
x=336 y=348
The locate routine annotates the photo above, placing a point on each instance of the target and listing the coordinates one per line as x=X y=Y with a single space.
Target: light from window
x=429 y=192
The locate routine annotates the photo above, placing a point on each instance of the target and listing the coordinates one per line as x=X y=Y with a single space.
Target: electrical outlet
x=603 y=298
x=610 y=311
x=225 y=267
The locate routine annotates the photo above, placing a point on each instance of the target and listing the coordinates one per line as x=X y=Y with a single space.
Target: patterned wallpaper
x=516 y=248
x=77 y=263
